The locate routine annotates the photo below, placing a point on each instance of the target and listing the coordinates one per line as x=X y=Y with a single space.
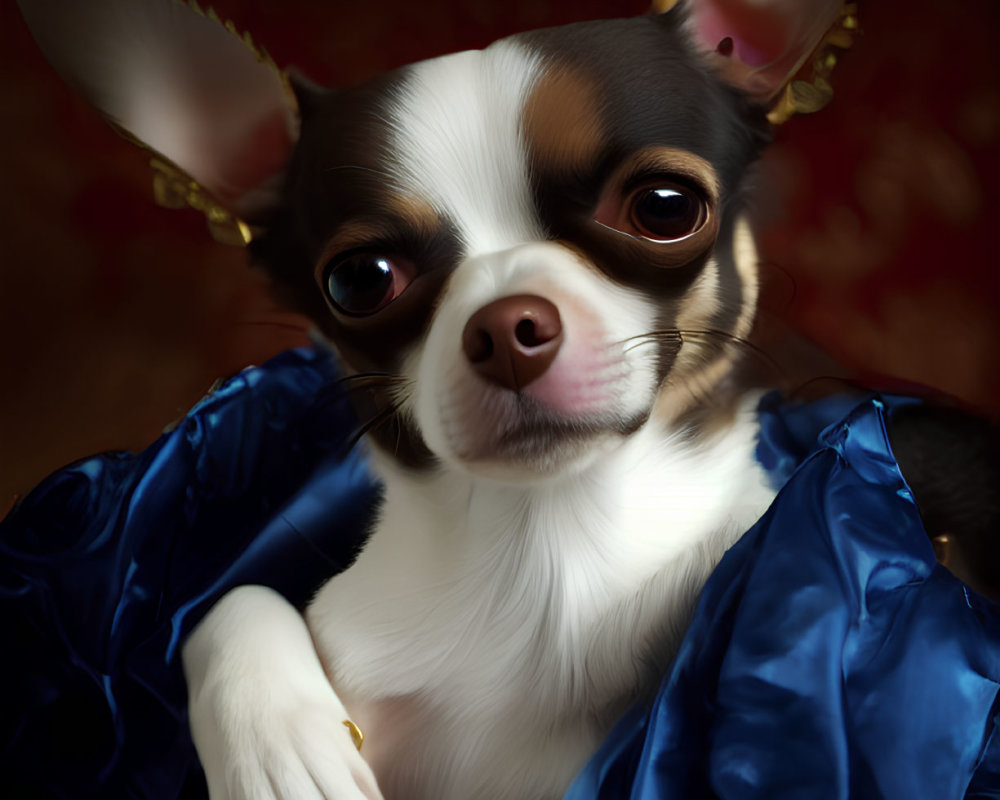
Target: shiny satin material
x=830 y=656
x=111 y=561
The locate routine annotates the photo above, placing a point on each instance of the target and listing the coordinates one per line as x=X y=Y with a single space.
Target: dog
x=517 y=238
x=536 y=259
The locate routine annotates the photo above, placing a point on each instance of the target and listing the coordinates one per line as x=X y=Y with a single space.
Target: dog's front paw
x=264 y=718
x=301 y=752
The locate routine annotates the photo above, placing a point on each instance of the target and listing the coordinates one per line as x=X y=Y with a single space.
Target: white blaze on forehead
x=456 y=132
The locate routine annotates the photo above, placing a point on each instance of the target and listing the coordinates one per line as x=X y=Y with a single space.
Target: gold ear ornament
x=174 y=188
x=807 y=88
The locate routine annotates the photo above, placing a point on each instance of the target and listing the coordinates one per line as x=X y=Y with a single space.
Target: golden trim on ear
x=173 y=188
x=214 y=110
x=260 y=53
x=807 y=87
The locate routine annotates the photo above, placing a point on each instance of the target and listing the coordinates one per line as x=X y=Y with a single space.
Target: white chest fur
x=489 y=632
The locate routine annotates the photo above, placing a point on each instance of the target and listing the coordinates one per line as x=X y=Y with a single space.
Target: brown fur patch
x=415 y=212
x=671 y=161
x=562 y=122
x=402 y=214
x=692 y=396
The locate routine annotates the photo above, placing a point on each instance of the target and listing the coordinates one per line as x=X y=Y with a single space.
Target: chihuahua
x=519 y=240
x=535 y=259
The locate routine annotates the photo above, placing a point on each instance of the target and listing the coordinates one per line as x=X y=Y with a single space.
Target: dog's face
x=537 y=245
x=523 y=235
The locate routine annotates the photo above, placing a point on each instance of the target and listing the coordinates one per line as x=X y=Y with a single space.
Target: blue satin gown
x=830 y=656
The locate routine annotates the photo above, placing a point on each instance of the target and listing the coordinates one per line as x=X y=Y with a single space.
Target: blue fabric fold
x=830 y=656
x=111 y=561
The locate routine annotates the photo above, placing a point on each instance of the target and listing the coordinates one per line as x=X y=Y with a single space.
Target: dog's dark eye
x=659 y=210
x=667 y=212
x=362 y=283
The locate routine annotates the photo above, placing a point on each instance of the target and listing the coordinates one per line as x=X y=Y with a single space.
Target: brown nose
x=513 y=340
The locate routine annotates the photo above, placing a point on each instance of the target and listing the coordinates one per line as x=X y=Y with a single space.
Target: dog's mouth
x=545 y=433
x=516 y=431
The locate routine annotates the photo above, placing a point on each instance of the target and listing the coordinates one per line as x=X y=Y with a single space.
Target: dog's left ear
x=757 y=45
x=182 y=83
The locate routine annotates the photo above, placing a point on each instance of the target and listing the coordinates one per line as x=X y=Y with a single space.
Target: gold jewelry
x=808 y=90
x=807 y=87
x=356 y=734
x=944 y=549
x=174 y=188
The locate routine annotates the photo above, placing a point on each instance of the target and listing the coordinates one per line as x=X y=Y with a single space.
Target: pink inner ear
x=759 y=34
x=263 y=153
x=760 y=43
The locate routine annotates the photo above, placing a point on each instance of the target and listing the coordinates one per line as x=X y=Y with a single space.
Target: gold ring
x=357 y=736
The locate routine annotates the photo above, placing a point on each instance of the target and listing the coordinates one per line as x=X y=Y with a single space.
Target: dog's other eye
x=667 y=212
x=661 y=211
x=361 y=283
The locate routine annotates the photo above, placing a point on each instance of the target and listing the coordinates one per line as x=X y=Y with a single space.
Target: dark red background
x=116 y=315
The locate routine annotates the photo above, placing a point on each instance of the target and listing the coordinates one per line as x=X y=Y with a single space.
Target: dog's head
x=538 y=246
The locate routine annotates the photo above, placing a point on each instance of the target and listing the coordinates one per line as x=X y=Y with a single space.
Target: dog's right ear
x=759 y=45
x=183 y=84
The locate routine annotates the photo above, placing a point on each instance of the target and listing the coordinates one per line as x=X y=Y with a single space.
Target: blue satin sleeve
x=830 y=656
x=111 y=561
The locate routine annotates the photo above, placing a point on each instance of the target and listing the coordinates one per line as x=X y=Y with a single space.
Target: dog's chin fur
x=537 y=443
x=525 y=457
